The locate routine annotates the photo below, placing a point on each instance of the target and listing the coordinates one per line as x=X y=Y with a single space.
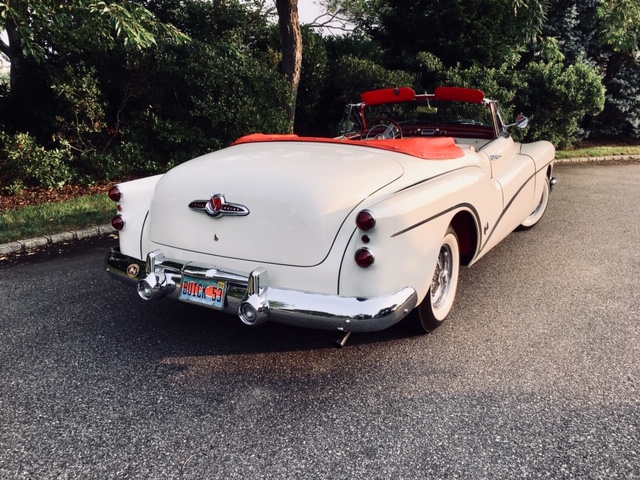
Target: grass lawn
x=49 y=218
x=599 y=151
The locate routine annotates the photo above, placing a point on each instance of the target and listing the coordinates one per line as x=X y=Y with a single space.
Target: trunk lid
x=298 y=196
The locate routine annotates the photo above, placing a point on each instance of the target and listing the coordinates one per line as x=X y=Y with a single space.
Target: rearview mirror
x=424 y=109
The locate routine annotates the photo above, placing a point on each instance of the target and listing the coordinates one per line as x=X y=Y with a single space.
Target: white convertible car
x=352 y=233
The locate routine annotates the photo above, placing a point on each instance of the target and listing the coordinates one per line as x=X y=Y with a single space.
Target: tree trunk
x=14 y=53
x=291 y=50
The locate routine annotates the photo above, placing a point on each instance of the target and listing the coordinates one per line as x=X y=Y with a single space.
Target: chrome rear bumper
x=255 y=301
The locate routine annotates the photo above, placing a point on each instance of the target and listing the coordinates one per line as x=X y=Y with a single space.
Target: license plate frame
x=210 y=292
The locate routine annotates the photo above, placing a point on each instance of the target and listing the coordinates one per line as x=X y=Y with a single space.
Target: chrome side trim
x=255 y=301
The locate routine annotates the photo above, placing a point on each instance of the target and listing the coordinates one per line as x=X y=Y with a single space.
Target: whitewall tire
x=532 y=220
x=444 y=283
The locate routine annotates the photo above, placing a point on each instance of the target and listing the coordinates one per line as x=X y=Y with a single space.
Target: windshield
x=433 y=112
x=352 y=122
x=416 y=115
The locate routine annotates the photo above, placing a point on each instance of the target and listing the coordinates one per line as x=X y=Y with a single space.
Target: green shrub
x=314 y=77
x=80 y=119
x=557 y=97
x=23 y=162
x=356 y=75
x=125 y=160
x=554 y=96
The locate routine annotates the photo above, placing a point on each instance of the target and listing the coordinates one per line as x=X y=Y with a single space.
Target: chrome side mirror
x=521 y=122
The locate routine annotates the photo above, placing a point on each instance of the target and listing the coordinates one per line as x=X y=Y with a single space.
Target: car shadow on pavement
x=203 y=331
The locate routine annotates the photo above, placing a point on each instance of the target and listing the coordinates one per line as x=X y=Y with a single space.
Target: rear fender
x=134 y=208
x=410 y=226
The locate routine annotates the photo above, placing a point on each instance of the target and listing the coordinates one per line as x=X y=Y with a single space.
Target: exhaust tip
x=341 y=342
x=152 y=287
x=144 y=290
x=254 y=311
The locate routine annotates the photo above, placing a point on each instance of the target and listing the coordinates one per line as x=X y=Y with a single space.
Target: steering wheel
x=384 y=128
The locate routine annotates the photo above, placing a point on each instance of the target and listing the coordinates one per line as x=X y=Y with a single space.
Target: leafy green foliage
x=128 y=112
x=23 y=161
x=603 y=33
x=184 y=100
x=215 y=89
x=621 y=23
x=349 y=77
x=120 y=93
x=463 y=32
x=557 y=98
x=354 y=76
x=314 y=78
x=554 y=97
x=574 y=25
x=621 y=115
x=81 y=25
x=81 y=115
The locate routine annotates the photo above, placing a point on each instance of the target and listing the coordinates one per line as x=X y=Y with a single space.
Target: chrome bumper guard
x=255 y=301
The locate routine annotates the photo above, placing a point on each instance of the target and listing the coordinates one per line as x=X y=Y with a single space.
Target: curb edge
x=48 y=240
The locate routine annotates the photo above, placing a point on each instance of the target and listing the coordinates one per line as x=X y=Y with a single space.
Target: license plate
x=203 y=291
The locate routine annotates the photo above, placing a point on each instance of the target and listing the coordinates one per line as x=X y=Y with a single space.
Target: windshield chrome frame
x=355 y=111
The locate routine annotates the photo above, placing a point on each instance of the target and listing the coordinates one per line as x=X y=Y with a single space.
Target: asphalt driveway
x=535 y=374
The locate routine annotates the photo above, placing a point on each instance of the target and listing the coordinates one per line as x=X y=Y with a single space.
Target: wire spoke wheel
x=441 y=282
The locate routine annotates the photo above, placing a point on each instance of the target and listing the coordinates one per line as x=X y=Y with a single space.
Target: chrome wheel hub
x=441 y=277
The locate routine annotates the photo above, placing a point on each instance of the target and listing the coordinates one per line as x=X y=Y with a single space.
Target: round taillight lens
x=117 y=222
x=365 y=220
x=115 y=194
x=364 y=258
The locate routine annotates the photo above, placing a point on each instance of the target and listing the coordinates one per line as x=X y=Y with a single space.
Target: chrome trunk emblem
x=217 y=206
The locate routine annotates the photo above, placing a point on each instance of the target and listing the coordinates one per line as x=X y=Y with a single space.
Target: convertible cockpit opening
x=432 y=126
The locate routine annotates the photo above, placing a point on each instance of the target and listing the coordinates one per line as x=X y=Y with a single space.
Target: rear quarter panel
x=134 y=208
x=410 y=226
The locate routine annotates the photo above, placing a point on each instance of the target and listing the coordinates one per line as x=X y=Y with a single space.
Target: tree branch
x=4 y=49
x=336 y=21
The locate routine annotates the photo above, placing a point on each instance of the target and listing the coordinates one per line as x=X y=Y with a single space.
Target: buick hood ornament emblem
x=217 y=206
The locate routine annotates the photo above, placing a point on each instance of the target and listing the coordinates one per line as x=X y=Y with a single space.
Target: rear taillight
x=118 y=222
x=365 y=220
x=115 y=194
x=364 y=258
